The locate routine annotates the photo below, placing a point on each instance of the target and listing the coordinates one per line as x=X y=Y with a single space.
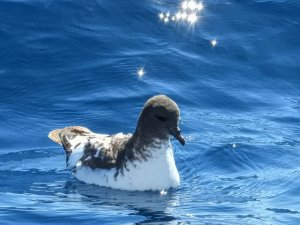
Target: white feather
x=158 y=172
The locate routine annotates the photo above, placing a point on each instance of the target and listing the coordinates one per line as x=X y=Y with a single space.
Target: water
x=75 y=63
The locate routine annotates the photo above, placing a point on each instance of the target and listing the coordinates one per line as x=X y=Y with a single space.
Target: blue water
x=68 y=63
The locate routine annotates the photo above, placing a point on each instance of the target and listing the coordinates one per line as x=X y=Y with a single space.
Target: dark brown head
x=159 y=119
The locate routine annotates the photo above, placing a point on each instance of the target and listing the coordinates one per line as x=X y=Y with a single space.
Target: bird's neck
x=145 y=137
x=139 y=147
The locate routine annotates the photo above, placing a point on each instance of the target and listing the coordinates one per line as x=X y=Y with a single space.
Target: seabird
x=140 y=161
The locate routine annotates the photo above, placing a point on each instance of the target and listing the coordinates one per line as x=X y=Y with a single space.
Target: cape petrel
x=140 y=161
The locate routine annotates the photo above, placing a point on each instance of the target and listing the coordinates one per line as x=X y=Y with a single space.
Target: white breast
x=157 y=173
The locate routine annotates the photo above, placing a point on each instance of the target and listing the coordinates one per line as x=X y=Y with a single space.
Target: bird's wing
x=63 y=136
x=102 y=152
x=85 y=148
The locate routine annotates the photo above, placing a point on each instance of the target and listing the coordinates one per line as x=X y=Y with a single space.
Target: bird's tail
x=54 y=136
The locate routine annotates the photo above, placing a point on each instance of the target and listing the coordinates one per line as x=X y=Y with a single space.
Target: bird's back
x=85 y=148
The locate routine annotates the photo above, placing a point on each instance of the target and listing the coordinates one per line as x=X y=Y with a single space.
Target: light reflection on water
x=75 y=63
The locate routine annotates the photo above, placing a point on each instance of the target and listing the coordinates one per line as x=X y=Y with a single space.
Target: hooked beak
x=176 y=133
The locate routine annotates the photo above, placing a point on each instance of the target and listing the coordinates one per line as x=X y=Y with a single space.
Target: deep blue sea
x=68 y=63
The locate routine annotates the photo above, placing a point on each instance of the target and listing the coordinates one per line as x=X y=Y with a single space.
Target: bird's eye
x=159 y=117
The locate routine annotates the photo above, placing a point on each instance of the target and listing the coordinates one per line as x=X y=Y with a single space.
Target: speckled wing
x=65 y=135
x=85 y=148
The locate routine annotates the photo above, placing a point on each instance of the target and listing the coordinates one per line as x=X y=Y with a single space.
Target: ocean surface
x=234 y=71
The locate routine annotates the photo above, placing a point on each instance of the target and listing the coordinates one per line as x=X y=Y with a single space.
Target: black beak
x=176 y=133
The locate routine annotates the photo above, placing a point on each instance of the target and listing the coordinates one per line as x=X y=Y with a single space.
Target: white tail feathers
x=54 y=136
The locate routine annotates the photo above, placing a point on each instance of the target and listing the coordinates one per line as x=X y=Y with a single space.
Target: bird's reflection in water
x=152 y=206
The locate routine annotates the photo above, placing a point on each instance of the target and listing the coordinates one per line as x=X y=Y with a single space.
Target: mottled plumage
x=113 y=160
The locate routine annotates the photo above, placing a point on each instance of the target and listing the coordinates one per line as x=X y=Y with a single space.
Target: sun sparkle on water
x=200 y=6
x=184 y=5
x=140 y=72
x=161 y=16
x=192 y=18
x=188 y=12
x=213 y=42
